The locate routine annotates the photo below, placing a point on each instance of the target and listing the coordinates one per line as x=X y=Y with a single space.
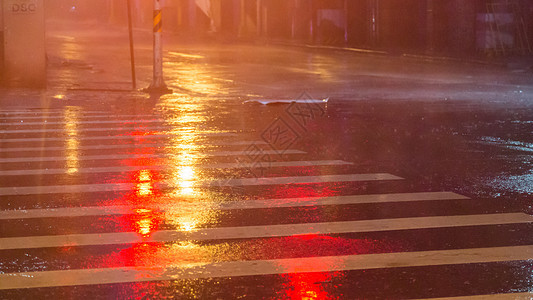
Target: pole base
x=157 y=90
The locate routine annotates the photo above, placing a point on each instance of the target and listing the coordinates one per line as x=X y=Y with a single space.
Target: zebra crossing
x=92 y=202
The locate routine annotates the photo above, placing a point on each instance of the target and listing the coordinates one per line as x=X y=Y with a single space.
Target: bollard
x=158 y=85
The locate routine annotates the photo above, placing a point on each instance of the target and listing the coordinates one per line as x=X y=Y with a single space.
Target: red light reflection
x=145 y=194
x=143 y=133
x=141 y=200
x=308 y=286
x=143 y=221
x=305 y=191
x=145 y=191
x=302 y=284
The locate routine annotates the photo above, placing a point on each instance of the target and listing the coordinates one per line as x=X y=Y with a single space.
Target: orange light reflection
x=71 y=119
x=185 y=150
x=198 y=79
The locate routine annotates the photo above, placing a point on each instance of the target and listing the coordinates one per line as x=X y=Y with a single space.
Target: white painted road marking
x=161 y=167
x=133 y=155
x=509 y=296
x=226 y=233
x=113 y=137
x=301 y=179
x=263 y=267
x=120 y=122
x=233 y=205
x=109 y=187
x=155 y=144
x=61 y=116
x=123 y=127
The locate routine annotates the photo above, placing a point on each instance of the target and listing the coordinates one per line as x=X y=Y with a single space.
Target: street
x=414 y=181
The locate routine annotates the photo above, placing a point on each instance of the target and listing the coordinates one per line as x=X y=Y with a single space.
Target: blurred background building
x=470 y=28
x=447 y=27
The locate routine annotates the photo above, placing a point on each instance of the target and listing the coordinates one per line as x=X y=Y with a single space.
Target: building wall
x=434 y=26
x=1 y=42
x=360 y=23
x=455 y=26
x=277 y=19
x=401 y=24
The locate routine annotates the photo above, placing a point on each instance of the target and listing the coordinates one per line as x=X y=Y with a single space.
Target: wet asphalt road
x=409 y=183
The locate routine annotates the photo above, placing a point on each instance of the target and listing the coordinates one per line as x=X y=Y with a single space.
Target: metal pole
x=430 y=20
x=242 y=22
x=346 y=17
x=294 y=8
x=259 y=18
x=158 y=84
x=132 y=52
x=375 y=22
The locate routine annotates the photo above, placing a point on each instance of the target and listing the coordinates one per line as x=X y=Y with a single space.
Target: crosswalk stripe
x=125 y=146
x=263 y=267
x=109 y=187
x=203 y=268
x=125 y=127
x=227 y=233
x=301 y=179
x=162 y=167
x=233 y=205
x=61 y=116
x=44 y=111
x=126 y=156
x=117 y=137
x=508 y=296
x=121 y=122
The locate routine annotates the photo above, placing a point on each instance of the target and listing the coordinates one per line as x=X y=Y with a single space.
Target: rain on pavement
x=413 y=181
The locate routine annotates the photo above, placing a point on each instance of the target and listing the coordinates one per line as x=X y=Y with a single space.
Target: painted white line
x=126 y=156
x=109 y=187
x=58 y=189
x=263 y=267
x=125 y=127
x=300 y=179
x=94 y=170
x=44 y=111
x=121 y=169
x=342 y=200
x=79 y=158
x=125 y=146
x=122 y=122
x=233 y=205
x=249 y=232
x=61 y=116
x=40 y=149
x=117 y=137
x=509 y=296
x=47 y=112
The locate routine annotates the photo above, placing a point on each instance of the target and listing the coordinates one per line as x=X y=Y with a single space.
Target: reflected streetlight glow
x=188 y=226
x=186 y=177
x=72 y=143
x=144 y=226
x=185 y=150
x=144 y=189
x=197 y=78
x=144 y=185
x=145 y=175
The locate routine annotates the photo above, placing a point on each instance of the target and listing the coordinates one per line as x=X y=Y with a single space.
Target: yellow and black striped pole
x=158 y=84
x=158 y=25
